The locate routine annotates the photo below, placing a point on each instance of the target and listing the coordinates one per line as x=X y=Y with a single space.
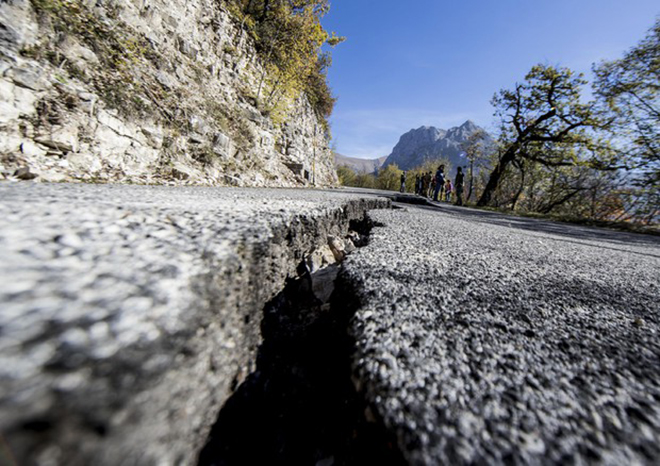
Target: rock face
x=148 y=92
x=426 y=143
x=131 y=313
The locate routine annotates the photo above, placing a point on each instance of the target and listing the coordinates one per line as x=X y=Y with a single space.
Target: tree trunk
x=471 y=181
x=496 y=175
x=520 y=190
x=265 y=63
x=261 y=83
x=273 y=92
x=594 y=194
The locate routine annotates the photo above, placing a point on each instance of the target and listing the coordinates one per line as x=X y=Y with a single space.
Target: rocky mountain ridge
x=359 y=165
x=157 y=92
x=425 y=143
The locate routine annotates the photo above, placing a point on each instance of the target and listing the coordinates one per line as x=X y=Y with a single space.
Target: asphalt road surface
x=487 y=339
x=128 y=313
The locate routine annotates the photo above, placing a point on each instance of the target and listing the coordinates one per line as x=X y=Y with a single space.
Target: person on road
x=458 y=183
x=403 y=181
x=439 y=181
x=448 y=188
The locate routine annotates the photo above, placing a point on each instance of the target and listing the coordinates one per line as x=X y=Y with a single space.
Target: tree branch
x=547 y=163
x=648 y=106
x=548 y=208
x=558 y=136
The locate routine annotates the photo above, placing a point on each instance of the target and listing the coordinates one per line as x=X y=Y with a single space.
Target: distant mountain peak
x=425 y=143
x=469 y=124
x=426 y=128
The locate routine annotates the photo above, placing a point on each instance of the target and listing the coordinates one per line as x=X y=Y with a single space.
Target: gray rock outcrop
x=158 y=91
x=429 y=143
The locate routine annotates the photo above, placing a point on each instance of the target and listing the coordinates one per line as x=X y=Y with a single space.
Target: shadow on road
x=577 y=234
x=572 y=233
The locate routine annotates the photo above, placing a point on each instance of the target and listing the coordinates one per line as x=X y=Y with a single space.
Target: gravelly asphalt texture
x=128 y=314
x=488 y=339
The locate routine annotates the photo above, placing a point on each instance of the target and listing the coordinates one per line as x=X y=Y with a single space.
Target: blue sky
x=408 y=63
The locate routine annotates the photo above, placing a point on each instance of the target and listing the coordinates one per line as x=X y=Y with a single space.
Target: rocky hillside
x=359 y=165
x=157 y=91
x=429 y=143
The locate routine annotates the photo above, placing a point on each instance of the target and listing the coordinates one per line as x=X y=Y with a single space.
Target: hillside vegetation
x=289 y=36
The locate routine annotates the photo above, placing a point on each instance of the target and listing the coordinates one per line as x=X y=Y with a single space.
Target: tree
x=477 y=150
x=346 y=175
x=543 y=120
x=289 y=36
x=389 y=178
x=317 y=89
x=365 y=180
x=629 y=89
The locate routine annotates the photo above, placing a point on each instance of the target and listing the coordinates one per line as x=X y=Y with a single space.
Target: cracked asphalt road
x=487 y=339
x=128 y=313
x=480 y=338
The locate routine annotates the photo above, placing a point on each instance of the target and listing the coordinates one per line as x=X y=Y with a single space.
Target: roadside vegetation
x=290 y=39
x=389 y=177
x=559 y=155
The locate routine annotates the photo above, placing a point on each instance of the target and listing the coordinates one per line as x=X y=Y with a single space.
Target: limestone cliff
x=145 y=91
x=426 y=143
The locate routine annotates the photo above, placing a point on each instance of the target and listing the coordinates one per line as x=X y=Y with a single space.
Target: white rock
x=28 y=75
x=154 y=136
x=84 y=161
x=15 y=101
x=25 y=101
x=87 y=96
x=114 y=123
x=111 y=144
x=62 y=138
x=321 y=257
x=165 y=79
x=181 y=171
x=53 y=177
x=30 y=149
x=11 y=143
x=78 y=54
x=337 y=247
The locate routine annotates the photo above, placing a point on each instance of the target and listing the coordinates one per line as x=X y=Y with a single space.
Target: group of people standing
x=439 y=184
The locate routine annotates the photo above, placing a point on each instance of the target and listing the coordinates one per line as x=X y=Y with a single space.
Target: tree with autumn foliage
x=389 y=178
x=289 y=37
x=544 y=120
x=629 y=90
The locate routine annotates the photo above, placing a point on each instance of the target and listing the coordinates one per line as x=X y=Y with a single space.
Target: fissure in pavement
x=300 y=406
